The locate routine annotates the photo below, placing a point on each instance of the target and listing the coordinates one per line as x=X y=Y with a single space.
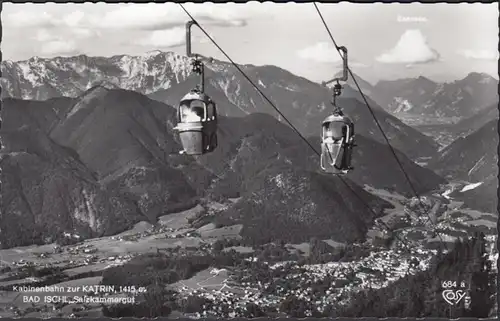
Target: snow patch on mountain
x=447 y=193
x=478 y=164
x=289 y=87
x=439 y=89
x=486 y=80
x=28 y=75
x=470 y=186
x=393 y=124
x=224 y=85
x=152 y=53
x=401 y=105
x=40 y=78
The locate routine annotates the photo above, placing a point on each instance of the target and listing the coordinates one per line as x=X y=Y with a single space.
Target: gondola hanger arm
x=198 y=66
x=189 y=51
x=345 y=68
x=189 y=24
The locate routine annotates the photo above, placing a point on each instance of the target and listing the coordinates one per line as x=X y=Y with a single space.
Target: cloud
x=320 y=52
x=164 y=16
x=479 y=54
x=325 y=52
x=412 y=48
x=164 y=38
x=59 y=48
x=74 y=19
x=43 y=35
x=85 y=33
x=48 y=25
x=217 y=15
x=26 y=19
x=55 y=41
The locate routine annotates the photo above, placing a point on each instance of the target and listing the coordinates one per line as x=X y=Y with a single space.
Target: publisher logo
x=453 y=297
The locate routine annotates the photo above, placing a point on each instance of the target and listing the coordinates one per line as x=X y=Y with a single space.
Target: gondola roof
x=337 y=118
x=197 y=95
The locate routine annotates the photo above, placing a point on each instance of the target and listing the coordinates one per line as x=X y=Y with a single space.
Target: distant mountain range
x=422 y=96
x=98 y=163
x=40 y=78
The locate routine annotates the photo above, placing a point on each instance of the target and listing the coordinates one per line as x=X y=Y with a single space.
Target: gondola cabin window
x=192 y=111
x=334 y=131
x=210 y=112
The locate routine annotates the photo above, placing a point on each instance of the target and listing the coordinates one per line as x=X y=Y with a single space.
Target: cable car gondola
x=337 y=132
x=197 y=112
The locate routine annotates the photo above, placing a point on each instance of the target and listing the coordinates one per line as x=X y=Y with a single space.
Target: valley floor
x=264 y=280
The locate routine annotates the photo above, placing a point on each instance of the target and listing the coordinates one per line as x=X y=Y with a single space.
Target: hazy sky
x=385 y=41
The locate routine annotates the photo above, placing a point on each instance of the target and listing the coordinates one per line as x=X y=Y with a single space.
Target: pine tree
x=482 y=281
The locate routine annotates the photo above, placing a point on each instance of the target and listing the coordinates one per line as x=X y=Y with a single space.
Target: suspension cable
x=286 y=119
x=393 y=151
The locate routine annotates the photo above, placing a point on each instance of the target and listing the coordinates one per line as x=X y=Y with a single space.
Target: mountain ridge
x=422 y=96
x=472 y=157
x=158 y=180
